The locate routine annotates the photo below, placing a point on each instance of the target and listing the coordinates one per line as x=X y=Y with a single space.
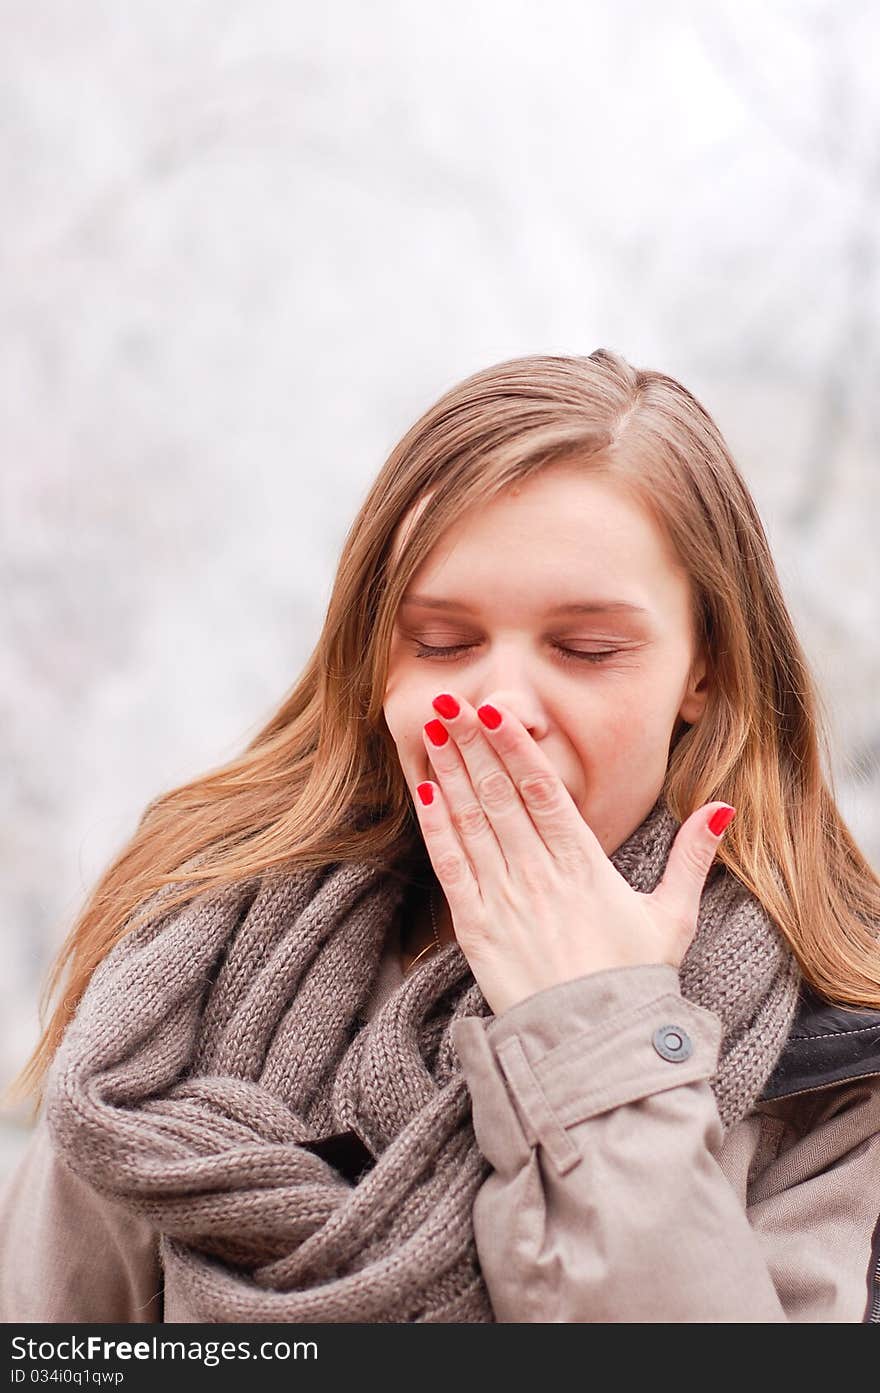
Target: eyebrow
x=571 y=607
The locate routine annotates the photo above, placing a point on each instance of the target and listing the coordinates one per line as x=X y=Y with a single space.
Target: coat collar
x=826 y=1044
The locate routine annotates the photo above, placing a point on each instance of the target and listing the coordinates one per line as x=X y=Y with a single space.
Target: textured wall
x=245 y=245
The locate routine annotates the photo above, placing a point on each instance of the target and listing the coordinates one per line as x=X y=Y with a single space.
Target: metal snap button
x=673 y=1043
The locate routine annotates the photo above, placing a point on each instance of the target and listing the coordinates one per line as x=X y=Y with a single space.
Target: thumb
x=690 y=861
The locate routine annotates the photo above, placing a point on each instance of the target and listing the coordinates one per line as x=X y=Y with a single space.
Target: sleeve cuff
x=578 y=1049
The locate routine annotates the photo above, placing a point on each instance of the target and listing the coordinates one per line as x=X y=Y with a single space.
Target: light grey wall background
x=244 y=246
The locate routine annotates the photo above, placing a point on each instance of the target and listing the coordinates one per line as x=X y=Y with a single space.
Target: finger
x=690 y=860
x=467 y=812
x=542 y=794
x=446 y=854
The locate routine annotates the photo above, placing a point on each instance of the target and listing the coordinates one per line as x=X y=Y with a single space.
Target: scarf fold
x=214 y=1039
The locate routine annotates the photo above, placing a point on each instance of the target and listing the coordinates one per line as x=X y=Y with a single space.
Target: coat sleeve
x=67 y=1254
x=606 y=1201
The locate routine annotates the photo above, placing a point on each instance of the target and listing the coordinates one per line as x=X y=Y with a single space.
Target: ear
x=697 y=692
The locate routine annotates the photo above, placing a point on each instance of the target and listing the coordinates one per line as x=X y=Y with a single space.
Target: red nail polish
x=720 y=819
x=489 y=716
x=446 y=705
x=436 y=733
x=426 y=792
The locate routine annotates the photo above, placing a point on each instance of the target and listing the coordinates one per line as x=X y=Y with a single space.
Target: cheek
x=397 y=698
x=394 y=712
x=620 y=727
x=609 y=734
x=401 y=711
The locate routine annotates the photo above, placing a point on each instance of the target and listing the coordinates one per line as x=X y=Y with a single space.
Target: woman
x=451 y=998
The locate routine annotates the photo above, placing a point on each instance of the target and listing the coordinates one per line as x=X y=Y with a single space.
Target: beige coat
x=613 y=1196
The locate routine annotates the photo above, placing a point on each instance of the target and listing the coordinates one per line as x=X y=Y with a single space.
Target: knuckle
x=540 y=789
x=451 y=869
x=535 y=877
x=569 y=853
x=698 y=859
x=470 y=820
x=496 y=788
x=465 y=738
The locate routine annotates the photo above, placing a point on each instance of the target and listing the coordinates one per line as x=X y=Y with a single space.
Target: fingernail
x=720 y=819
x=446 y=705
x=489 y=716
x=436 y=733
x=426 y=792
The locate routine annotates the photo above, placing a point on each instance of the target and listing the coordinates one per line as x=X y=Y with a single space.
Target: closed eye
x=568 y=655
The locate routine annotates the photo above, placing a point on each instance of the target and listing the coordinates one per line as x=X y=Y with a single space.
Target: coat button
x=671 y=1042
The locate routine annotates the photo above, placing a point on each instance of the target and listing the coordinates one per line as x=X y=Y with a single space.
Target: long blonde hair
x=322 y=781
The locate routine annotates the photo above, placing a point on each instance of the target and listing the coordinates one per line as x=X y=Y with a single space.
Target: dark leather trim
x=826 y=1044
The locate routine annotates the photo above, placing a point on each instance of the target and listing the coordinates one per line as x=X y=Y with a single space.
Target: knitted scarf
x=214 y=1042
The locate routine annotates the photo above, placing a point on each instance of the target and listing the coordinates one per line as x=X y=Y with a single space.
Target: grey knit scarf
x=214 y=1039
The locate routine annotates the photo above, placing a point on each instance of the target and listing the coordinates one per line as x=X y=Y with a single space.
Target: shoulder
x=68 y=1253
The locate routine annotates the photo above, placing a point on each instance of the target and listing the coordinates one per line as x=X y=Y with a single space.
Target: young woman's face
x=498 y=582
